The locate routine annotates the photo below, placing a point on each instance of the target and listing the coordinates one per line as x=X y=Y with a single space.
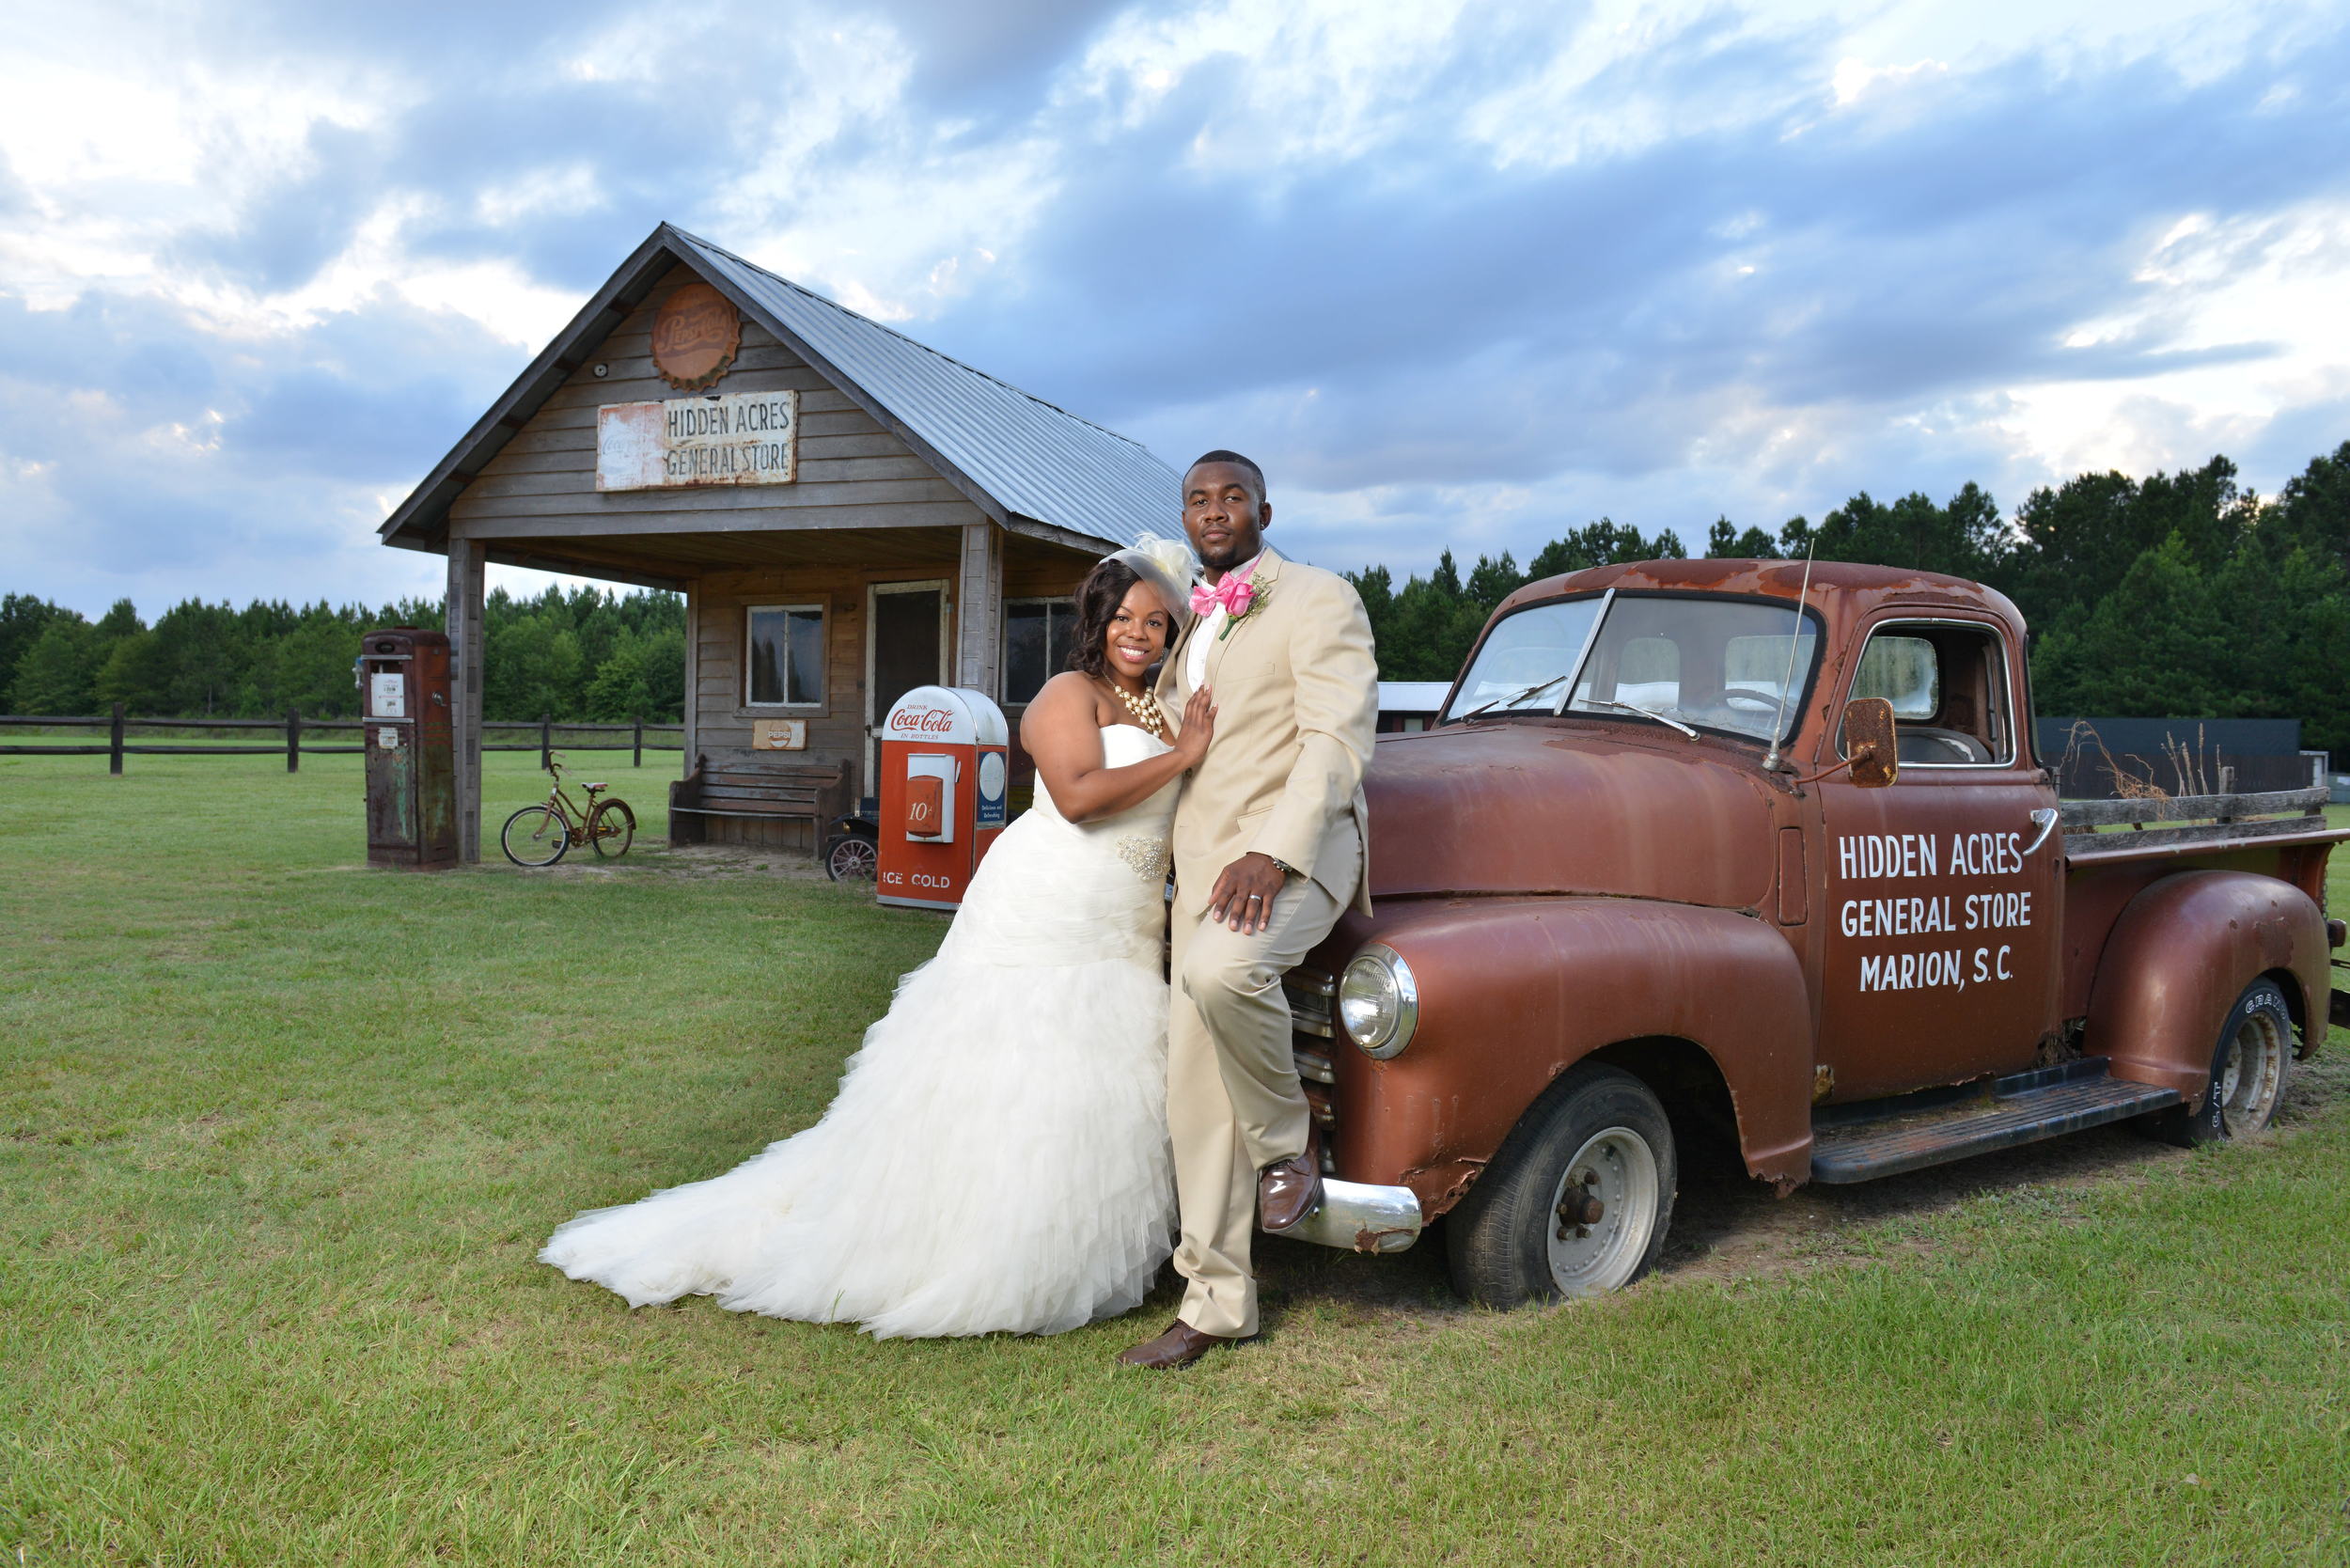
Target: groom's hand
x=1243 y=896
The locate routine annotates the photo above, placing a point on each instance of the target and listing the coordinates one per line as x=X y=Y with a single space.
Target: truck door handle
x=2045 y=818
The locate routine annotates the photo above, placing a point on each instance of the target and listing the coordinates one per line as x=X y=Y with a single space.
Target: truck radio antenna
x=1794 y=639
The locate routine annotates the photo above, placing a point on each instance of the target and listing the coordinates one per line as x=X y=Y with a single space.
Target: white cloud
x=2278 y=282
x=1719 y=324
x=1294 y=81
x=1854 y=79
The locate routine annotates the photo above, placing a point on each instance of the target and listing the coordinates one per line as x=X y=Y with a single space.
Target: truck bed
x=2112 y=832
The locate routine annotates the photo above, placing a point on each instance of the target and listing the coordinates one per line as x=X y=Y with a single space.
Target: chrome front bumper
x=1353 y=1216
x=1359 y=1217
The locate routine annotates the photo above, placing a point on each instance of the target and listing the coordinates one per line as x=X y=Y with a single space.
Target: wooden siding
x=1033 y=571
x=852 y=473
x=722 y=718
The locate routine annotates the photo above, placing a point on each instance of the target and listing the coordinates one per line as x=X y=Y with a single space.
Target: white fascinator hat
x=1171 y=568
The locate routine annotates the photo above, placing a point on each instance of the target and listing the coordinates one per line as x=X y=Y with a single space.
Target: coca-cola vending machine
x=944 y=767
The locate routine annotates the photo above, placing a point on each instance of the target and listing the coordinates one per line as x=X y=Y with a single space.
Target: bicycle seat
x=592 y=789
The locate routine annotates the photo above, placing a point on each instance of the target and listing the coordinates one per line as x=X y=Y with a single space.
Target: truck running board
x=1883 y=1137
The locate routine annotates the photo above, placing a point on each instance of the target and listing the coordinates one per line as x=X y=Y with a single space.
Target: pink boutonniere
x=1246 y=599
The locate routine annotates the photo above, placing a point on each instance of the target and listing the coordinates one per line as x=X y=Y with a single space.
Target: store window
x=1036 y=645
x=784 y=655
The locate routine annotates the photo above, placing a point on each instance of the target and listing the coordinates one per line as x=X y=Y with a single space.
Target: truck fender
x=2182 y=950
x=1512 y=992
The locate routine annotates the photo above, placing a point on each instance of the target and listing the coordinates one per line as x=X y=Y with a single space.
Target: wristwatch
x=1282 y=865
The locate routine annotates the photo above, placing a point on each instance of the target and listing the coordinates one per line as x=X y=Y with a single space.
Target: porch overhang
x=625 y=552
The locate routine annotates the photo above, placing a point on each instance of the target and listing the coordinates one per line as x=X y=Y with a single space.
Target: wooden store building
x=849 y=513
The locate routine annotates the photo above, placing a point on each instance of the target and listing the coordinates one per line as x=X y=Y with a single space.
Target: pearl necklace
x=1145 y=710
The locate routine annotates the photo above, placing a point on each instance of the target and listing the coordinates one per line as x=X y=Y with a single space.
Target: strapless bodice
x=1123 y=746
x=1053 y=891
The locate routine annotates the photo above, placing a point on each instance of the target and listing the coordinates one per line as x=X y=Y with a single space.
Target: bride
x=996 y=1159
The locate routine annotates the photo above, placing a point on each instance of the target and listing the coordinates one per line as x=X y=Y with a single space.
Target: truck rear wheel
x=1578 y=1200
x=2249 y=1068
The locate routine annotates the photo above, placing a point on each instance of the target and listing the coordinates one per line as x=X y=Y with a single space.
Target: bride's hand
x=1191 y=743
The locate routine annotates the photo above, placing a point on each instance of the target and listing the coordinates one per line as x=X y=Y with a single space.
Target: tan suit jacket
x=1297 y=702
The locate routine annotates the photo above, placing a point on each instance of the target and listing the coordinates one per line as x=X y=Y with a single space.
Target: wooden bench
x=757 y=789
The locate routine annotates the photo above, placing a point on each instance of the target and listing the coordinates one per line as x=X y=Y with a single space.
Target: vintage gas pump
x=412 y=777
x=944 y=768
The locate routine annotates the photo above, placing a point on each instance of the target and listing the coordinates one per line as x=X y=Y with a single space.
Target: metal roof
x=1033 y=458
x=1413 y=697
x=1031 y=465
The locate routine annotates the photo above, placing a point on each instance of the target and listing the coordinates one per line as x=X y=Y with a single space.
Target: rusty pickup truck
x=1758 y=854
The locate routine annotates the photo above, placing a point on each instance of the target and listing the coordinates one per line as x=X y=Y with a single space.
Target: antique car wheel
x=2248 y=1068
x=850 y=858
x=534 y=836
x=1578 y=1200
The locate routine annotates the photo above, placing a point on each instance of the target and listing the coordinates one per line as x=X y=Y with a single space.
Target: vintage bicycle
x=539 y=834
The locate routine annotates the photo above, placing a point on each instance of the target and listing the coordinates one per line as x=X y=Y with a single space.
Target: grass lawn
x=279 y=1137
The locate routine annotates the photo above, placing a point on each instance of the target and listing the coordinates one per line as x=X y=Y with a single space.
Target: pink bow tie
x=1235 y=593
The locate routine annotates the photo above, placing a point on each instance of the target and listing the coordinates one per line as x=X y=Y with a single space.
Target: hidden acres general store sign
x=730 y=438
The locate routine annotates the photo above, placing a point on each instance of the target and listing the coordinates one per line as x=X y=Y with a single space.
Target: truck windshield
x=1714 y=663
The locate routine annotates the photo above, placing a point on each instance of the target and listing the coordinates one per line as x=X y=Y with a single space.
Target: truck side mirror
x=1871 y=748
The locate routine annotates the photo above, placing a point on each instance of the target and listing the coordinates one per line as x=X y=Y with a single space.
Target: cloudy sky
x=1457 y=274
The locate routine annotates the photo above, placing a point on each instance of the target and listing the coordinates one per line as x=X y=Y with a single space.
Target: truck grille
x=1312 y=1037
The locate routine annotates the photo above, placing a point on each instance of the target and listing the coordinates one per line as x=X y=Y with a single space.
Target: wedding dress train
x=997 y=1158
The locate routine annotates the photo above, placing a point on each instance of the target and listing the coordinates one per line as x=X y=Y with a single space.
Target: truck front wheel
x=2249 y=1068
x=1578 y=1198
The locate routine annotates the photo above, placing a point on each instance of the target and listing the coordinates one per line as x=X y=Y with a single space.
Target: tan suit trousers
x=1233 y=1111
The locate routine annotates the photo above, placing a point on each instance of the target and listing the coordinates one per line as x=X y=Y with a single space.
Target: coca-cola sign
x=924 y=721
x=930 y=713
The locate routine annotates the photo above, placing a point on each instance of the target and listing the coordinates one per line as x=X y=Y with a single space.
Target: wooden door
x=1943 y=903
x=905 y=647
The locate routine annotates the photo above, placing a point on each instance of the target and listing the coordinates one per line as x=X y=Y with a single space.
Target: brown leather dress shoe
x=1288 y=1191
x=1179 y=1346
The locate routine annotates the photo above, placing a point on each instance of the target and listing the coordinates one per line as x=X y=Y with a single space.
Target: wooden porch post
x=462 y=617
x=980 y=607
x=690 y=738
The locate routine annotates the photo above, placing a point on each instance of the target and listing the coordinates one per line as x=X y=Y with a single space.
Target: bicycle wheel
x=612 y=828
x=534 y=836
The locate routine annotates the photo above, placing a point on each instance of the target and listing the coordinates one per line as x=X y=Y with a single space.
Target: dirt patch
x=695 y=862
x=1726 y=1227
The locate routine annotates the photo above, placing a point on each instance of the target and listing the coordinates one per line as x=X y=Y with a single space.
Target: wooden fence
x=666 y=737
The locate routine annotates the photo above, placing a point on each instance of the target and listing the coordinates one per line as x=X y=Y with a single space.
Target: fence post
x=546 y=742
x=114 y=759
x=293 y=740
x=640 y=743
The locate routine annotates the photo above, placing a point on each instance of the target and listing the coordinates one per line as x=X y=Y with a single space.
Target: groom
x=1269 y=851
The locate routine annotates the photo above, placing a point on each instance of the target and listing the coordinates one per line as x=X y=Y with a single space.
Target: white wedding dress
x=996 y=1159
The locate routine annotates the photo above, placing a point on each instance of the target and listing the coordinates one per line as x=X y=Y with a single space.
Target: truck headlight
x=1378 y=1001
